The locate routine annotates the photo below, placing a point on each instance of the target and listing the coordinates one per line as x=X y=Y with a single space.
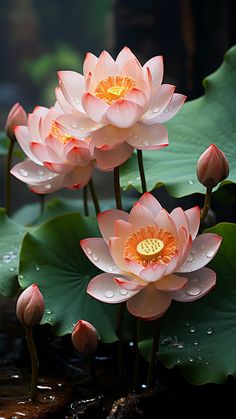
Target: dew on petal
x=94 y=257
x=210 y=254
x=190 y=257
x=156 y=109
x=40 y=172
x=24 y=172
x=109 y=294
x=123 y=292
x=48 y=186
x=89 y=251
x=194 y=290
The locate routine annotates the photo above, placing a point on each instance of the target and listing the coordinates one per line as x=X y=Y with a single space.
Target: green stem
x=8 y=177
x=141 y=171
x=42 y=203
x=207 y=204
x=155 y=344
x=94 y=197
x=34 y=362
x=119 y=323
x=117 y=188
x=137 y=357
x=85 y=200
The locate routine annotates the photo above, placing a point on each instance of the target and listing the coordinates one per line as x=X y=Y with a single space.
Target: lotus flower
x=120 y=103
x=56 y=160
x=150 y=257
x=16 y=116
x=30 y=306
x=212 y=167
x=85 y=337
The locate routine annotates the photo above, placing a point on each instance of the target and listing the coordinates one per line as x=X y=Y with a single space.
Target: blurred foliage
x=43 y=70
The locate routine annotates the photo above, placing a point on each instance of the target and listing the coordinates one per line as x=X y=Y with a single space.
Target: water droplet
x=78 y=101
x=178 y=361
x=210 y=254
x=89 y=251
x=173 y=342
x=15 y=376
x=21 y=277
x=11 y=269
x=74 y=125
x=40 y=172
x=37 y=268
x=190 y=257
x=203 y=246
x=156 y=109
x=131 y=344
x=210 y=331
x=190 y=359
x=196 y=343
x=48 y=311
x=191 y=182
x=48 y=186
x=109 y=294
x=192 y=329
x=24 y=172
x=194 y=290
x=187 y=324
x=123 y=292
x=94 y=257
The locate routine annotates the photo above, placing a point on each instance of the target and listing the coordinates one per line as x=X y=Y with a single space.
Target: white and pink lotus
x=150 y=257
x=119 y=102
x=55 y=160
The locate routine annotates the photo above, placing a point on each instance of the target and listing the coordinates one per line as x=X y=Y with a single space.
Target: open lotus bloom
x=55 y=159
x=119 y=102
x=150 y=257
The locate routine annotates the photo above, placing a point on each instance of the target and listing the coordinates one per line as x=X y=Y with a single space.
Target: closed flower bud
x=85 y=337
x=30 y=306
x=16 y=116
x=212 y=167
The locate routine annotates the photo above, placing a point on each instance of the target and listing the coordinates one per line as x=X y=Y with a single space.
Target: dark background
x=39 y=37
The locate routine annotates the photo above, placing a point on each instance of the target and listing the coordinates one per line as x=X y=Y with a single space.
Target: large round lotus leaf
x=51 y=256
x=200 y=336
x=11 y=235
x=209 y=119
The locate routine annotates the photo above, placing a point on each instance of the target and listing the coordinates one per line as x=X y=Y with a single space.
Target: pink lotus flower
x=85 y=337
x=120 y=103
x=212 y=167
x=151 y=257
x=56 y=160
x=16 y=116
x=30 y=306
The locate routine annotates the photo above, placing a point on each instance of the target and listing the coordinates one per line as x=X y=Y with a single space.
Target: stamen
x=114 y=88
x=59 y=135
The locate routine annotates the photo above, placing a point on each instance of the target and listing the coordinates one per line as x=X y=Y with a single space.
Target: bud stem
x=85 y=200
x=117 y=188
x=207 y=203
x=94 y=196
x=8 y=177
x=34 y=362
x=141 y=170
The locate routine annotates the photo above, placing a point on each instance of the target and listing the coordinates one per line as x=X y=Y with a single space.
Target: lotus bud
x=16 y=116
x=30 y=306
x=212 y=167
x=85 y=337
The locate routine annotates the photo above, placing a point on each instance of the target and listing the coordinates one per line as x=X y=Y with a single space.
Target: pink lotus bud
x=85 y=337
x=16 y=116
x=30 y=306
x=212 y=167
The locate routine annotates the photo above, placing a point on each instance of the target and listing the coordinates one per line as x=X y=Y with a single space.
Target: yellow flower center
x=114 y=88
x=59 y=135
x=150 y=245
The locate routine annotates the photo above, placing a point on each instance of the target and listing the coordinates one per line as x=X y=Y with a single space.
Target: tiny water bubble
x=48 y=311
x=109 y=294
x=193 y=290
x=196 y=343
x=156 y=109
x=89 y=251
x=190 y=257
x=192 y=329
x=11 y=269
x=190 y=359
x=24 y=173
x=37 y=268
x=210 y=331
x=123 y=292
x=210 y=254
x=191 y=182
x=48 y=186
x=94 y=257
